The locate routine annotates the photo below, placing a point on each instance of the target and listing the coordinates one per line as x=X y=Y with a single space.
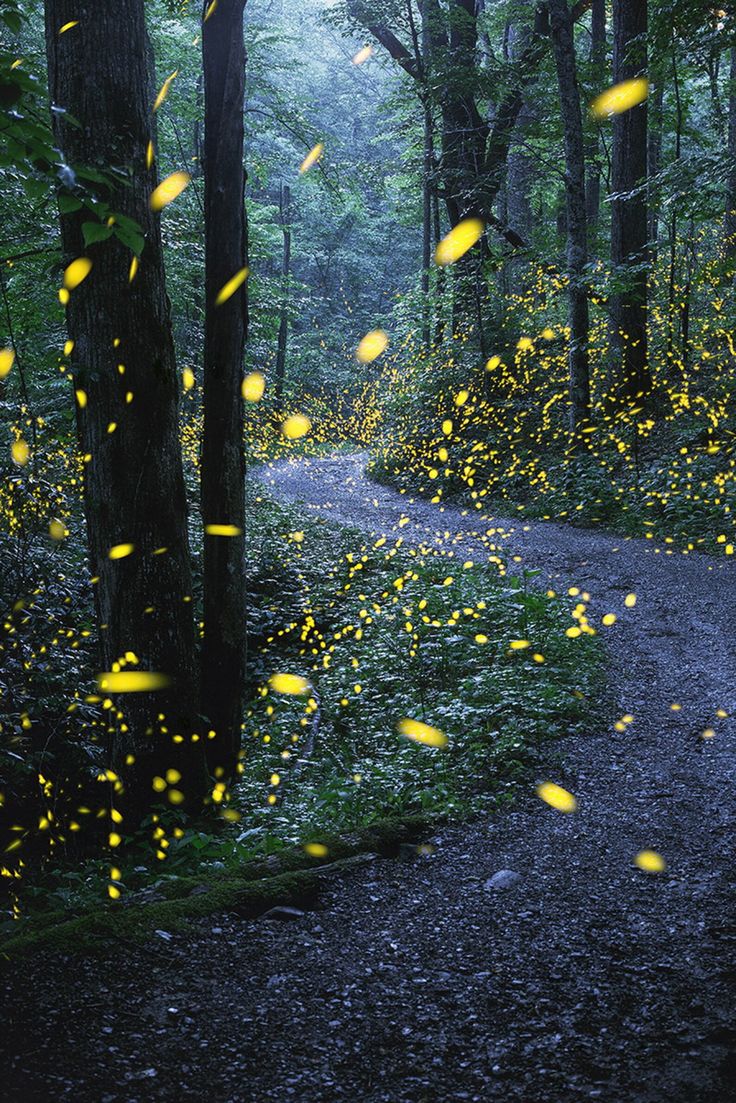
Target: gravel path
x=585 y=979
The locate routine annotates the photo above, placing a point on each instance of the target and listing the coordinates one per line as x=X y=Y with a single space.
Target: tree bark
x=629 y=254
x=280 y=374
x=577 y=242
x=598 y=64
x=223 y=460
x=654 y=163
x=123 y=362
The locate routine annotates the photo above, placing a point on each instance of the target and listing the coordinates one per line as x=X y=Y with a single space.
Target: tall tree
x=629 y=253
x=597 y=64
x=473 y=153
x=561 y=27
x=654 y=160
x=127 y=391
x=223 y=459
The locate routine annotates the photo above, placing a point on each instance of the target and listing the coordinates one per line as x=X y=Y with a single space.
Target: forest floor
x=415 y=981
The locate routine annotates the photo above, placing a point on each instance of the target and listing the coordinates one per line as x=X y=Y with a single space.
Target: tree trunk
x=427 y=170
x=730 y=220
x=473 y=158
x=577 y=243
x=598 y=64
x=127 y=419
x=629 y=255
x=223 y=461
x=285 y=218
x=654 y=163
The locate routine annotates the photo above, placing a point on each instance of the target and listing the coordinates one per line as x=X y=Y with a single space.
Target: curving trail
x=587 y=979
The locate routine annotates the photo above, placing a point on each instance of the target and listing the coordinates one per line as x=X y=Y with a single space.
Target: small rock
x=283 y=913
x=163 y=934
x=504 y=879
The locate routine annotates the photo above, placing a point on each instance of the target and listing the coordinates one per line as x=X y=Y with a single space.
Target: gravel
x=420 y=981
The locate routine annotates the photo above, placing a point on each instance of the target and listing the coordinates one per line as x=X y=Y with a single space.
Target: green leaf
x=69 y=203
x=133 y=238
x=12 y=20
x=93 y=232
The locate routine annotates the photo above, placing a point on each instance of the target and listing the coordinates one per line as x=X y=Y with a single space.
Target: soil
x=414 y=980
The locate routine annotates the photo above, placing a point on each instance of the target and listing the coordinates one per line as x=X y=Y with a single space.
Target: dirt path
x=587 y=979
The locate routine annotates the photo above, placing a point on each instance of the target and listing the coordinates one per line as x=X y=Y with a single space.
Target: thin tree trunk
x=427 y=221
x=654 y=160
x=223 y=462
x=125 y=375
x=285 y=218
x=629 y=255
x=577 y=243
x=598 y=62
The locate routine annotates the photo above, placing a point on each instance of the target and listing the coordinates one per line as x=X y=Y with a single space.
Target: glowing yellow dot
x=459 y=240
x=422 y=733
x=312 y=157
x=228 y=290
x=168 y=190
x=316 y=850
x=77 y=271
x=621 y=97
x=120 y=551
x=296 y=426
x=650 y=861
x=253 y=387
x=371 y=346
x=557 y=797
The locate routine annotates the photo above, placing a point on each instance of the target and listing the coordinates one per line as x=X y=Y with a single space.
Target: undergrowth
x=380 y=631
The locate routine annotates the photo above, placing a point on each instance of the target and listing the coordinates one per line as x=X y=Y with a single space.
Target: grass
x=381 y=631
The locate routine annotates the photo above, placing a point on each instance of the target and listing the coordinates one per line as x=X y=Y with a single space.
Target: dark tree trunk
x=520 y=169
x=123 y=361
x=223 y=462
x=598 y=64
x=629 y=254
x=730 y=220
x=285 y=218
x=577 y=243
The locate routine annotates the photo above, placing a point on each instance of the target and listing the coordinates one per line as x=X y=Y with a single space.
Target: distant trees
x=126 y=392
x=443 y=59
x=226 y=319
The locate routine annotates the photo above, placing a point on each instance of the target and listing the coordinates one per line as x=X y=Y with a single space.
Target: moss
x=249 y=895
